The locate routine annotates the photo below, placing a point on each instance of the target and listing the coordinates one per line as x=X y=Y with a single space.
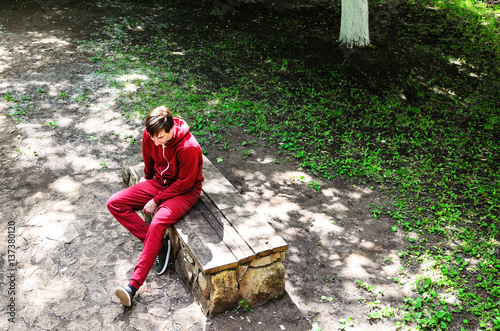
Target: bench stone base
x=255 y=283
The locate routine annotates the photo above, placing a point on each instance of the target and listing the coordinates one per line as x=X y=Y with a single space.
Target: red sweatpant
x=123 y=206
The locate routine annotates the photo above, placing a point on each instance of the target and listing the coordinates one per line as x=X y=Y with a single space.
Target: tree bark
x=354 y=31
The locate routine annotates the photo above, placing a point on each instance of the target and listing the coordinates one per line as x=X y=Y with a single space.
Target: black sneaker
x=163 y=257
x=125 y=294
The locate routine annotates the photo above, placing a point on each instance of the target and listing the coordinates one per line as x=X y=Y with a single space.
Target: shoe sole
x=124 y=296
x=166 y=259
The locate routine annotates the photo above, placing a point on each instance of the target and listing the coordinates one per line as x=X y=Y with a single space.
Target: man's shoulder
x=189 y=145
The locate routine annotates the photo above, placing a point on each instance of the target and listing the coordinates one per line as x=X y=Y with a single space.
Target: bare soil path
x=61 y=153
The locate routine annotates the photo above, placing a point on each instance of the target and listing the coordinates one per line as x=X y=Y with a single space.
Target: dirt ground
x=61 y=160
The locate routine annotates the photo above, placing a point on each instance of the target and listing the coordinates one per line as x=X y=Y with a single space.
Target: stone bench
x=223 y=249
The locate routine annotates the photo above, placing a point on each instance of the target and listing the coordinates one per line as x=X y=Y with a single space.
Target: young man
x=173 y=162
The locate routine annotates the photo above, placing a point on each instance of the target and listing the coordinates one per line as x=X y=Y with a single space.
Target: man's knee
x=111 y=204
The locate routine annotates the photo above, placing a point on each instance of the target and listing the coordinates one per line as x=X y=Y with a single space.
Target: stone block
x=240 y=271
x=133 y=164
x=204 y=285
x=184 y=268
x=224 y=294
x=265 y=260
x=260 y=285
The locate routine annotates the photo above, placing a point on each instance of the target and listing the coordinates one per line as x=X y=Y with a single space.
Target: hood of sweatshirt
x=181 y=129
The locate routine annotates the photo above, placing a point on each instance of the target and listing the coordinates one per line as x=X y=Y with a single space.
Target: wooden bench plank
x=226 y=231
x=268 y=234
x=258 y=234
x=249 y=231
x=204 y=244
x=214 y=188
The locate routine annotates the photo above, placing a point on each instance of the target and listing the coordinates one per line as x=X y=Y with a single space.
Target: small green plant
x=315 y=185
x=81 y=98
x=315 y=327
x=369 y=288
x=298 y=179
x=244 y=305
x=52 y=124
x=7 y=97
x=344 y=324
x=104 y=165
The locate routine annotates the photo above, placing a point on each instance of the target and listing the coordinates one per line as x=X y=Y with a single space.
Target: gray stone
x=143 y=322
x=129 y=246
x=110 y=234
x=185 y=270
x=87 y=263
x=51 y=268
x=159 y=310
x=84 y=325
x=65 y=233
x=78 y=291
x=110 y=313
x=204 y=285
x=47 y=322
x=65 y=308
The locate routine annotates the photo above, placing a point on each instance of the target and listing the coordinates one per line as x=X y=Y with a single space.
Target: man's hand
x=150 y=207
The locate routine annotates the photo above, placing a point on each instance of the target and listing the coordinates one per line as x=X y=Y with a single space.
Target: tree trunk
x=354 y=30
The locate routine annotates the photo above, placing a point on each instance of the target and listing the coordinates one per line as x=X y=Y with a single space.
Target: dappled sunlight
x=68 y=137
x=431 y=275
x=51 y=40
x=131 y=77
x=65 y=185
x=52 y=261
x=266 y=160
x=358 y=193
x=5 y=60
x=56 y=223
x=132 y=81
x=346 y=239
x=337 y=206
x=291 y=176
x=332 y=193
x=339 y=237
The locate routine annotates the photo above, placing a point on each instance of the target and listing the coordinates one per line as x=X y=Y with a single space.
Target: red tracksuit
x=174 y=176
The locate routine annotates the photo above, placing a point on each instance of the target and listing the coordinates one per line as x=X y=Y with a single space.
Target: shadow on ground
x=62 y=146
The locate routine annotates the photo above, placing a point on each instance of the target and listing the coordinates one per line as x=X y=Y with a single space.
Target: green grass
x=416 y=115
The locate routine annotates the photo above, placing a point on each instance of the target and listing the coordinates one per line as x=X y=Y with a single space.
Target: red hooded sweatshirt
x=176 y=164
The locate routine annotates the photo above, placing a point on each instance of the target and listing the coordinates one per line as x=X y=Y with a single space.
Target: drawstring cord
x=168 y=164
